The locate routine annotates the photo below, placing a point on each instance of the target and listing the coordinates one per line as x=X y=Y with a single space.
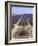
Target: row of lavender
x=15 y=18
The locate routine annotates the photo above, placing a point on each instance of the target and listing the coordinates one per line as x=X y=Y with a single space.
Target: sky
x=21 y=10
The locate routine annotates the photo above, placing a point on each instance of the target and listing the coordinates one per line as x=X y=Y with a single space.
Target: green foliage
x=23 y=32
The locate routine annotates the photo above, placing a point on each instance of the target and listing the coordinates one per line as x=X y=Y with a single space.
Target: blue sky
x=21 y=10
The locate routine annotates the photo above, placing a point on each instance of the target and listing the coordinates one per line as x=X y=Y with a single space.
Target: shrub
x=23 y=32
